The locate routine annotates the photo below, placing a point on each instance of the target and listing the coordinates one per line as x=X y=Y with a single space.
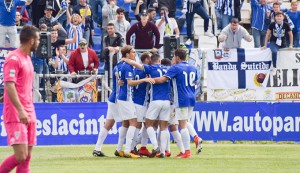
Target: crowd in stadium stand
x=105 y=26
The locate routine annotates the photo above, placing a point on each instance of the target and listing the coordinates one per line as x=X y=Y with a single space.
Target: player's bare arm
x=137 y=82
x=133 y=63
x=161 y=79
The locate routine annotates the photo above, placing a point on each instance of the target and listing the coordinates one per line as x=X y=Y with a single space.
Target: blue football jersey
x=158 y=91
x=115 y=87
x=139 y=91
x=184 y=77
x=126 y=72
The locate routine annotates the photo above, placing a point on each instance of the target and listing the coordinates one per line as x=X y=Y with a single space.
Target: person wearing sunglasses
x=83 y=58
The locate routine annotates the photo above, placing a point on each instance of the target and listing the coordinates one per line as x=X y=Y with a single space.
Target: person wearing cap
x=231 y=36
x=144 y=31
x=276 y=34
x=141 y=7
x=48 y=20
x=8 y=27
x=83 y=58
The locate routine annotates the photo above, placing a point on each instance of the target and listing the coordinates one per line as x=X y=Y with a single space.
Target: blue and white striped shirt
x=80 y=31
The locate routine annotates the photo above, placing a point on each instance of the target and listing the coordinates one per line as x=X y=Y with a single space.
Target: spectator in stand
x=83 y=58
x=97 y=17
x=58 y=65
x=166 y=26
x=170 y=4
x=79 y=24
x=109 y=12
x=19 y=21
x=294 y=15
x=126 y=4
x=271 y=14
x=259 y=24
x=8 y=27
x=47 y=19
x=112 y=43
x=43 y=28
x=151 y=14
x=55 y=41
x=121 y=25
x=277 y=32
x=37 y=11
x=192 y=7
x=89 y=22
x=144 y=31
x=219 y=14
x=233 y=34
x=61 y=60
x=231 y=9
x=23 y=13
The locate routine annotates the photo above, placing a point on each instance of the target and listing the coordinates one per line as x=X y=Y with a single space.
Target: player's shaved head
x=155 y=58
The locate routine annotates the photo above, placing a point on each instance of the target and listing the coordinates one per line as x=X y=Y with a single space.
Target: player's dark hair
x=154 y=58
x=145 y=56
x=126 y=49
x=181 y=53
x=166 y=62
x=27 y=33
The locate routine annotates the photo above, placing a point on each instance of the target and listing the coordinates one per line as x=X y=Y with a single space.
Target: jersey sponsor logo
x=12 y=73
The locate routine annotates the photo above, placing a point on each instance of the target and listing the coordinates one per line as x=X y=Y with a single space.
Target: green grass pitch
x=215 y=158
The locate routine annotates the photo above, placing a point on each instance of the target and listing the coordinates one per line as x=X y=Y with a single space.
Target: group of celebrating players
x=156 y=94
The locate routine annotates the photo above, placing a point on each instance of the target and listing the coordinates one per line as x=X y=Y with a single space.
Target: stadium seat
x=101 y=69
x=183 y=30
x=97 y=43
x=178 y=4
x=97 y=30
x=178 y=13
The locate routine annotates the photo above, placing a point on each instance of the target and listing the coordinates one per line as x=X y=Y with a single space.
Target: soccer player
x=159 y=107
x=140 y=99
x=112 y=116
x=125 y=104
x=173 y=122
x=184 y=77
x=18 y=112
